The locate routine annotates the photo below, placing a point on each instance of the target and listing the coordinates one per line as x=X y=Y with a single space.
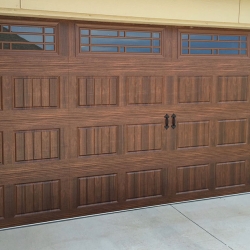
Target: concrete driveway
x=218 y=224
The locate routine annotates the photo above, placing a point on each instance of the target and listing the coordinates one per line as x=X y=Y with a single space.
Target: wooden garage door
x=98 y=118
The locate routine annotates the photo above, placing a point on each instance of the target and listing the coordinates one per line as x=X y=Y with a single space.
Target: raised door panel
x=97 y=140
x=144 y=90
x=38 y=197
x=192 y=134
x=230 y=174
x=144 y=184
x=192 y=179
x=232 y=89
x=97 y=190
x=36 y=92
x=144 y=137
x=194 y=89
x=232 y=132
x=97 y=91
x=32 y=145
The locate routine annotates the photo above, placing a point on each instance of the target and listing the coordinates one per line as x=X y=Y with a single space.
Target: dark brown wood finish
x=84 y=133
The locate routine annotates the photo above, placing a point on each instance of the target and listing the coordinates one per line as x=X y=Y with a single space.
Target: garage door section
x=117 y=117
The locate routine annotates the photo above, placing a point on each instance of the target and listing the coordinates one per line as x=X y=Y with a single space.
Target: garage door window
x=213 y=44
x=120 y=41
x=20 y=37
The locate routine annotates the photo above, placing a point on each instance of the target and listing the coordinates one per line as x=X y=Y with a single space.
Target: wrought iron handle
x=173 y=121
x=166 y=121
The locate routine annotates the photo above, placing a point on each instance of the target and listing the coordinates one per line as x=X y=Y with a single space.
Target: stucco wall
x=218 y=13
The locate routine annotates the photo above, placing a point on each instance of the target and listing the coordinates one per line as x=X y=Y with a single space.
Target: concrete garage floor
x=217 y=224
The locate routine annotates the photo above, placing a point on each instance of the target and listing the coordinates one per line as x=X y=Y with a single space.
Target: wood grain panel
x=97 y=189
x=231 y=132
x=193 y=134
x=230 y=174
x=232 y=88
x=33 y=145
x=143 y=184
x=96 y=91
x=144 y=137
x=1 y=147
x=97 y=140
x=1 y=202
x=194 y=89
x=144 y=90
x=192 y=178
x=36 y=92
x=37 y=197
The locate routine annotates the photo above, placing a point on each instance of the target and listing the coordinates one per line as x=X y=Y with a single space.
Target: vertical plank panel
x=150 y=183
x=98 y=140
x=98 y=91
x=98 y=189
x=105 y=141
x=159 y=89
x=20 y=147
x=130 y=186
x=157 y=182
x=54 y=144
x=113 y=187
x=29 y=152
x=53 y=90
x=105 y=91
x=20 y=198
x=37 y=91
x=45 y=92
x=90 y=132
x=46 y=144
x=131 y=138
x=82 y=191
x=131 y=90
x=82 y=91
x=113 y=86
x=29 y=198
x=145 y=137
x=19 y=93
x=138 y=138
x=91 y=190
x=90 y=92
x=158 y=136
x=38 y=197
x=28 y=97
x=152 y=90
x=151 y=137
x=137 y=181
x=55 y=195
x=113 y=139
x=46 y=195
x=82 y=133
x=37 y=145
x=105 y=188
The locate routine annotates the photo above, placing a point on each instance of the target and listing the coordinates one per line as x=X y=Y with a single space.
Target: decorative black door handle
x=173 y=121
x=166 y=121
